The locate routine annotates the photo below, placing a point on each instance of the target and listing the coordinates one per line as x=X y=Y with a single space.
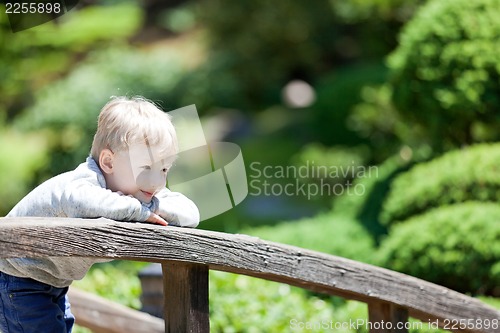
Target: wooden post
x=185 y=287
x=385 y=318
x=152 y=298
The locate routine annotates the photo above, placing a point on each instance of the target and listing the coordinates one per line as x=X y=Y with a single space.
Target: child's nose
x=158 y=181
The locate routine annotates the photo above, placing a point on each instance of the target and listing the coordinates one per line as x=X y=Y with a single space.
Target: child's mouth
x=147 y=194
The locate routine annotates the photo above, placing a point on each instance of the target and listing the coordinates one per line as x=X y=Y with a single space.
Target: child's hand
x=153 y=218
x=156 y=219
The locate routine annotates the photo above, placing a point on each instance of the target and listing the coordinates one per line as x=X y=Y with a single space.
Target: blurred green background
x=406 y=89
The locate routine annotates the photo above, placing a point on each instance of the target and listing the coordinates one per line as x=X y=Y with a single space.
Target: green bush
x=102 y=280
x=472 y=173
x=375 y=118
x=445 y=71
x=457 y=246
x=337 y=92
x=365 y=204
x=244 y=304
x=335 y=167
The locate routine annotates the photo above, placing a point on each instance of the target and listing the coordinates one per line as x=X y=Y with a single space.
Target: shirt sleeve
x=177 y=209
x=83 y=199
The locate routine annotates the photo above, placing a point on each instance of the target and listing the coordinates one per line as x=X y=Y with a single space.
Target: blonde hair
x=124 y=121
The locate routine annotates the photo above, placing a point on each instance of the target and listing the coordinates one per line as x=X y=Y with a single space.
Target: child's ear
x=106 y=158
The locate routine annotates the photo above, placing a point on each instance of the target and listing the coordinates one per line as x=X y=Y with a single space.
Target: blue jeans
x=29 y=306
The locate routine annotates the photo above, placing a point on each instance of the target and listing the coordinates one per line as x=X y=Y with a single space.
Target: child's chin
x=143 y=199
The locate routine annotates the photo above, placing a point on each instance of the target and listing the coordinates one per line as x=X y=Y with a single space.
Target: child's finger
x=156 y=219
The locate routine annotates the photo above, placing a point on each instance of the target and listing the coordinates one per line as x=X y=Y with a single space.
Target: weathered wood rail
x=187 y=255
x=103 y=316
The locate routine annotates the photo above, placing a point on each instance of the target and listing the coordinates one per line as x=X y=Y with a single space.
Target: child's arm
x=177 y=209
x=83 y=199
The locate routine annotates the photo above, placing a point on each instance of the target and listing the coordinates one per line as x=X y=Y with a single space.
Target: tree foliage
x=33 y=58
x=68 y=109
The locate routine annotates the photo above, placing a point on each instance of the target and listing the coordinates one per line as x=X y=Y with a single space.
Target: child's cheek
x=142 y=179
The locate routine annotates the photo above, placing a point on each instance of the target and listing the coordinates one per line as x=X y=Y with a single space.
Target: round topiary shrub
x=457 y=246
x=471 y=173
x=446 y=71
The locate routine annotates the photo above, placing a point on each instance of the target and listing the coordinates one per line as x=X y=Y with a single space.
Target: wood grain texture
x=385 y=318
x=39 y=237
x=186 y=298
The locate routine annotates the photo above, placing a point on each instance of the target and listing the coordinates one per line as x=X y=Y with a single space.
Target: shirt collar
x=93 y=166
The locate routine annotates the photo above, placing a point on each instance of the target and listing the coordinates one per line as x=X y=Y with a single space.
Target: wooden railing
x=187 y=255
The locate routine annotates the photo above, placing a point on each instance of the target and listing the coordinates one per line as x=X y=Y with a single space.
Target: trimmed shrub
x=365 y=205
x=472 y=173
x=457 y=246
x=446 y=70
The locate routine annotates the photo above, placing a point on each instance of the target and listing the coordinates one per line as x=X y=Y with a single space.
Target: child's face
x=140 y=171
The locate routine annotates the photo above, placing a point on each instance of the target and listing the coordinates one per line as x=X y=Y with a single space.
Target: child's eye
x=146 y=167
x=165 y=170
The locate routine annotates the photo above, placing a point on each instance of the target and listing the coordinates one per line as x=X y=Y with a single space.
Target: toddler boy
x=123 y=179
